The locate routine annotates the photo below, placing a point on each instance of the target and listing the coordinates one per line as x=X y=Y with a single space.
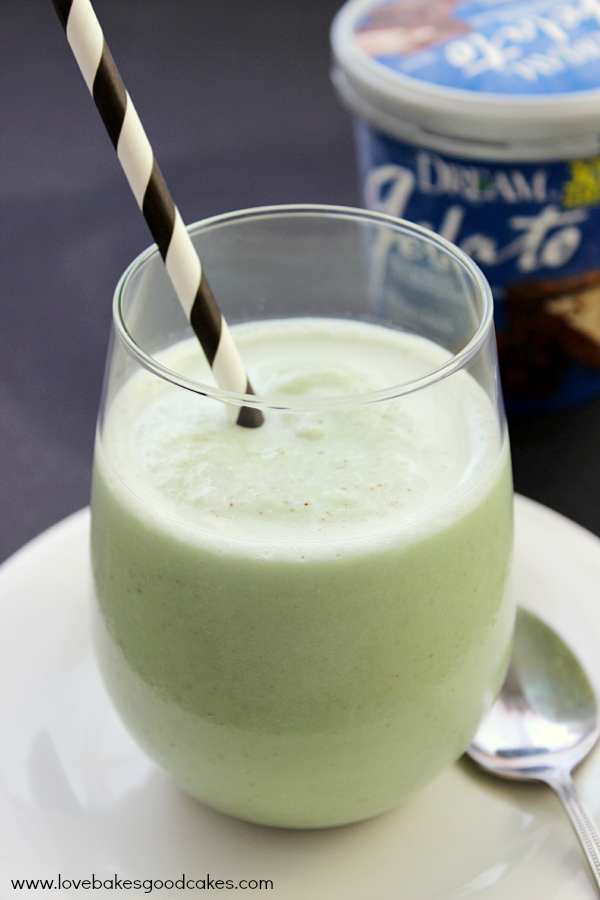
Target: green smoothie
x=304 y=622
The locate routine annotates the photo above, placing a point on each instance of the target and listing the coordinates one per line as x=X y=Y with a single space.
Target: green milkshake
x=304 y=622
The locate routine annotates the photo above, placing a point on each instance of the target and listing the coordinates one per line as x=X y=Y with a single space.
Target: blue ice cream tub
x=481 y=121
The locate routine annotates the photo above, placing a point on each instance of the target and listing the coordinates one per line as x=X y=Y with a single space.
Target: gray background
x=236 y=99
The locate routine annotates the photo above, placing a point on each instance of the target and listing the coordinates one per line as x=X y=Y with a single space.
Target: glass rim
x=457 y=361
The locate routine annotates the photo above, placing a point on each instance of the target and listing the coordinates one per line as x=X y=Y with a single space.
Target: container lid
x=515 y=71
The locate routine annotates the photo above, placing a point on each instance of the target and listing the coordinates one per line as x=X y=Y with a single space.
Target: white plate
x=77 y=796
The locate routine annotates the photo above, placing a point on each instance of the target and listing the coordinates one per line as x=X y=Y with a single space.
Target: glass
x=305 y=622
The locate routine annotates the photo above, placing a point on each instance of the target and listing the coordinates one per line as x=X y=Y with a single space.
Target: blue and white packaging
x=481 y=120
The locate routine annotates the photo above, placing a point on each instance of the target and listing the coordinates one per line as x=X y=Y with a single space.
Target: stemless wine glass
x=305 y=622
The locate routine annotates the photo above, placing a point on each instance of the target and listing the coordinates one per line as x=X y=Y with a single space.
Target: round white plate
x=78 y=798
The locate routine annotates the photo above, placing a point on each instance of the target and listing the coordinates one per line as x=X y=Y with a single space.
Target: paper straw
x=183 y=265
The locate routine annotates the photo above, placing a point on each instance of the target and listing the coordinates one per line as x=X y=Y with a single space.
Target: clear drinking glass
x=305 y=622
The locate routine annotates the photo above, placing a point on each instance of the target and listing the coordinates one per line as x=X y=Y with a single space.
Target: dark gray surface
x=236 y=99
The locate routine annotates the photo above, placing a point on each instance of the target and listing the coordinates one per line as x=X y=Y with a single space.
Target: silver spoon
x=543 y=723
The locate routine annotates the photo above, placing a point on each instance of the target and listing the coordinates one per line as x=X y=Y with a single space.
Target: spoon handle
x=581 y=819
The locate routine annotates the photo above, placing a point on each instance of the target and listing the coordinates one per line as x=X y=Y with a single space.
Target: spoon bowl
x=544 y=722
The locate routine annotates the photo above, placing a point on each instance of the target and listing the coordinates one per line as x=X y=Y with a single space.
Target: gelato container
x=481 y=120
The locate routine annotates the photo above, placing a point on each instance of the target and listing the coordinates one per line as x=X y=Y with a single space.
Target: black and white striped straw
x=183 y=265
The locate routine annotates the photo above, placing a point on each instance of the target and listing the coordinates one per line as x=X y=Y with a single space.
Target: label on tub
x=534 y=229
x=539 y=47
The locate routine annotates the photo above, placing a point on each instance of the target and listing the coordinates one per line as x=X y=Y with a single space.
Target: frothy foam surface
x=310 y=475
